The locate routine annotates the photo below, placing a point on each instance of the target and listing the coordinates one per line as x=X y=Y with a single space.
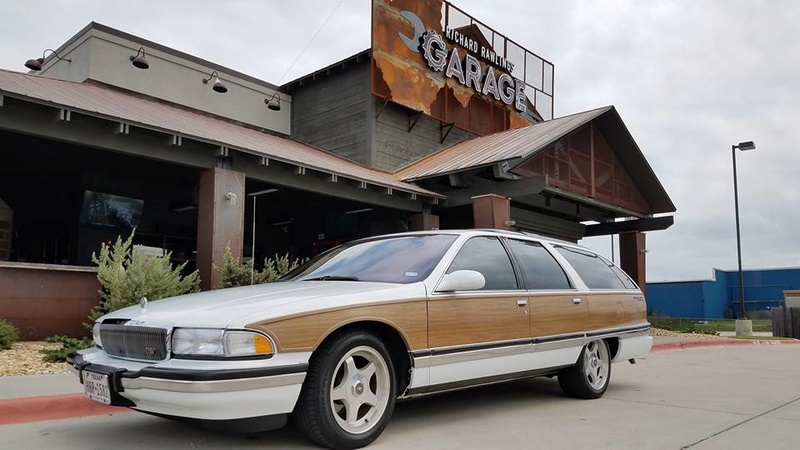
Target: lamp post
x=743 y=146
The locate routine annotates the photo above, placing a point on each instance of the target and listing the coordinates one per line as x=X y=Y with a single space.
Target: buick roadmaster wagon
x=338 y=341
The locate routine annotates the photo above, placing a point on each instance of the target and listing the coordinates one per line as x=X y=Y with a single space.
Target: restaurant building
x=443 y=123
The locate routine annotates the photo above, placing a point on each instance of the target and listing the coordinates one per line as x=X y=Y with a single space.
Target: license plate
x=96 y=387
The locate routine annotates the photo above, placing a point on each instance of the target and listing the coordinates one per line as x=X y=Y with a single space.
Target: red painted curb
x=697 y=343
x=52 y=407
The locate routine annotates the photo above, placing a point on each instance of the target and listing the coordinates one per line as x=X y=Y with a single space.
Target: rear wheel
x=589 y=377
x=349 y=393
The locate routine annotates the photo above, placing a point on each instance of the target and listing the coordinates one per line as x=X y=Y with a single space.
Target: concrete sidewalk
x=47 y=397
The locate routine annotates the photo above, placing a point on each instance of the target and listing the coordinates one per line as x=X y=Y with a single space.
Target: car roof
x=483 y=231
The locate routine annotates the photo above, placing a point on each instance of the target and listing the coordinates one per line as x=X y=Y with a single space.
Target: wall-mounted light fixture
x=218 y=85
x=139 y=60
x=274 y=102
x=232 y=197
x=36 y=64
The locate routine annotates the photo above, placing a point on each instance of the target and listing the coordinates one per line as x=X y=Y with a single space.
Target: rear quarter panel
x=615 y=309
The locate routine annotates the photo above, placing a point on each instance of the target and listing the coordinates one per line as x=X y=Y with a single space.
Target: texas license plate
x=96 y=387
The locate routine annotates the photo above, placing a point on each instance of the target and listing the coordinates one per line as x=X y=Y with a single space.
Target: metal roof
x=518 y=145
x=497 y=147
x=108 y=103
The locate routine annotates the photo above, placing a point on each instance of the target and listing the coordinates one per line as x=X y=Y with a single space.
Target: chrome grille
x=135 y=342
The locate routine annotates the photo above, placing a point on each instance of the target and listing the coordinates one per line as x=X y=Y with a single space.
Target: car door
x=482 y=334
x=558 y=311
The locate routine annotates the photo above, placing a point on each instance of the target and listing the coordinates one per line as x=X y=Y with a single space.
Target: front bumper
x=211 y=390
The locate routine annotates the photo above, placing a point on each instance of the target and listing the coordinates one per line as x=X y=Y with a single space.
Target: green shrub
x=8 y=334
x=69 y=345
x=235 y=273
x=126 y=276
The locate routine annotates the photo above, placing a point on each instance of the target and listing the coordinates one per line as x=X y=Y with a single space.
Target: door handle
x=522 y=303
x=576 y=301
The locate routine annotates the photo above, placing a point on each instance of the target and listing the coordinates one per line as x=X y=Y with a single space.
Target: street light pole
x=743 y=146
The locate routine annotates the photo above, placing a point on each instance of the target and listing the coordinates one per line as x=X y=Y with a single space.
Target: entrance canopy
x=583 y=167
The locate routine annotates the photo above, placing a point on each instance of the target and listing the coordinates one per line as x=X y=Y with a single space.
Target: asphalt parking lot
x=741 y=397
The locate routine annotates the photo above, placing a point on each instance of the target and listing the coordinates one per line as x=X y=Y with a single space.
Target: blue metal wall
x=719 y=297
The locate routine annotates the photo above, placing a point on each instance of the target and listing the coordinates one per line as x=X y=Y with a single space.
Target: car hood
x=236 y=307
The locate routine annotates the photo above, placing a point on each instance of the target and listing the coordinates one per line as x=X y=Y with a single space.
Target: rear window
x=540 y=269
x=593 y=270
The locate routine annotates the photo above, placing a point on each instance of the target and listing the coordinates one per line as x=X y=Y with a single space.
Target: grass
x=705 y=327
x=763 y=338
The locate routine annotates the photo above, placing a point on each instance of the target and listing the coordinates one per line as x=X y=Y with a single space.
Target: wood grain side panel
x=615 y=309
x=460 y=321
x=305 y=333
x=553 y=315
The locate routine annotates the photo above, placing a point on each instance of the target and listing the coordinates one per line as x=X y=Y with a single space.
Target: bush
x=126 y=276
x=8 y=334
x=234 y=273
x=69 y=345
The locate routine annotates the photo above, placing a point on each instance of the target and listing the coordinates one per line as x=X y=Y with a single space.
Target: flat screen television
x=108 y=210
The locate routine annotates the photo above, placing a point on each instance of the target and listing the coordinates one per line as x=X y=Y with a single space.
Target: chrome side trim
x=560 y=344
x=243 y=384
x=618 y=331
x=478 y=354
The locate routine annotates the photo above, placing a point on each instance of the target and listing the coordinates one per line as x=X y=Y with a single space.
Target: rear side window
x=626 y=280
x=487 y=255
x=540 y=269
x=593 y=270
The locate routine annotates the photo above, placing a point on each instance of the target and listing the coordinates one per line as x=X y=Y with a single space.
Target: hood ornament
x=143 y=304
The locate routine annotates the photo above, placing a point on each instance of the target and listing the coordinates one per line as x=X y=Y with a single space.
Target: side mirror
x=462 y=280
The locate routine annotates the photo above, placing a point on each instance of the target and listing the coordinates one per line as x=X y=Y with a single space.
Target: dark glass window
x=487 y=255
x=593 y=270
x=540 y=269
x=626 y=280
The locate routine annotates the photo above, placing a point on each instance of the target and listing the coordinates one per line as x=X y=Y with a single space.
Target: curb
x=698 y=343
x=52 y=407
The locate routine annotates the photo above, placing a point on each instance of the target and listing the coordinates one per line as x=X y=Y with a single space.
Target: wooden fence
x=786 y=322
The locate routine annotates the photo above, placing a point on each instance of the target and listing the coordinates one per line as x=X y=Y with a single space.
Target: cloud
x=688 y=78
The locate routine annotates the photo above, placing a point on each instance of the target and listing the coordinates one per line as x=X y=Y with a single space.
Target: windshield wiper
x=332 y=278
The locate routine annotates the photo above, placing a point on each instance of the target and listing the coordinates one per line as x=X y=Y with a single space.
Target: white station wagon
x=339 y=340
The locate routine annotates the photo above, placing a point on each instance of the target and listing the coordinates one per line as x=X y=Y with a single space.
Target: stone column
x=220 y=221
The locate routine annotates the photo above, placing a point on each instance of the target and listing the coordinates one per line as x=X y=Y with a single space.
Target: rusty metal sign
x=432 y=57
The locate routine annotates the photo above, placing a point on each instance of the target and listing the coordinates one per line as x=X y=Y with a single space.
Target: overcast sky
x=689 y=78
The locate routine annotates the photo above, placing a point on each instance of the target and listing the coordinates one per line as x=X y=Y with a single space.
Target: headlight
x=96 y=335
x=205 y=342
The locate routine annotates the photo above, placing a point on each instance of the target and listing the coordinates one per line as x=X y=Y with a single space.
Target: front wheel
x=349 y=393
x=589 y=377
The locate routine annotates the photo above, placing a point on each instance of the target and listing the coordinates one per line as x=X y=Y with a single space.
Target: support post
x=424 y=221
x=491 y=211
x=632 y=257
x=220 y=221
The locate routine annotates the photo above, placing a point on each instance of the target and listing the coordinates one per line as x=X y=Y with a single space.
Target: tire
x=590 y=376
x=349 y=392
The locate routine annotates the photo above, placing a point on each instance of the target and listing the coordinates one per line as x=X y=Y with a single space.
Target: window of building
x=540 y=269
x=487 y=255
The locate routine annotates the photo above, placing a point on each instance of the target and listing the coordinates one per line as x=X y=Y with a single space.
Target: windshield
x=402 y=259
